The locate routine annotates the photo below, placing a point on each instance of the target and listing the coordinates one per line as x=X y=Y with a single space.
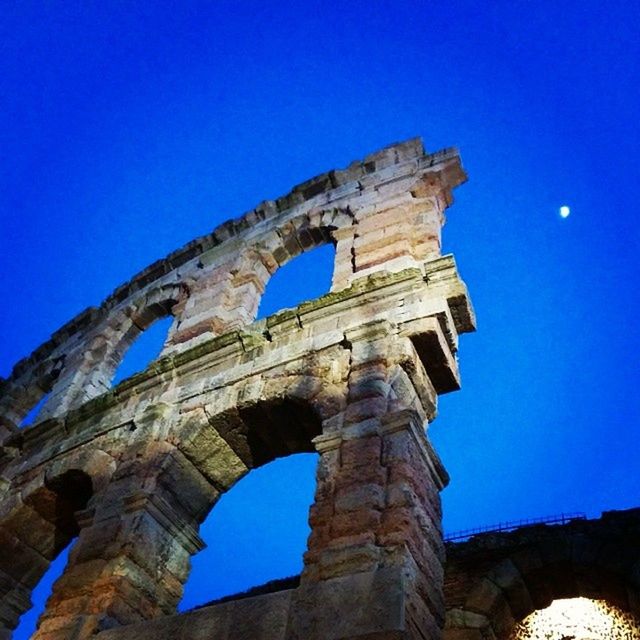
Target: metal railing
x=563 y=518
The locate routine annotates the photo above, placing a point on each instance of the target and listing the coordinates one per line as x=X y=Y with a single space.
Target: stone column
x=412 y=520
x=373 y=568
x=397 y=227
x=133 y=554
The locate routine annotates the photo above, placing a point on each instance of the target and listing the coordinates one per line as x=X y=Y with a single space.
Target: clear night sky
x=129 y=128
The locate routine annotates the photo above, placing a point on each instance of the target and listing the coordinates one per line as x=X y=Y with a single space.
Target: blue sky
x=127 y=129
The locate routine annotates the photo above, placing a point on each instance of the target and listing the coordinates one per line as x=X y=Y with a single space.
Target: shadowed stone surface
x=496 y=580
x=131 y=471
x=261 y=617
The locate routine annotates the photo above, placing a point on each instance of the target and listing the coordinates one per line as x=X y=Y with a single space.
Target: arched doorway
x=258 y=529
x=37 y=531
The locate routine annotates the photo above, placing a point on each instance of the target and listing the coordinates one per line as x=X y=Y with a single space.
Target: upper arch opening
x=305 y=277
x=140 y=348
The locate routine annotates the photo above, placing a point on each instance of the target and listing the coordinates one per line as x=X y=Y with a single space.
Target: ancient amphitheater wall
x=130 y=471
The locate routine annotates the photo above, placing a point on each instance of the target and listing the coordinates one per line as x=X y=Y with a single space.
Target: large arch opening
x=256 y=534
x=37 y=534
x=258 y=530
x=306 y=277
x=578 y=619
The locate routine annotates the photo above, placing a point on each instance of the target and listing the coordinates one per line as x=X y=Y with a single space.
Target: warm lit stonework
x=131 y=471
x=128 y=473
x=578 y=619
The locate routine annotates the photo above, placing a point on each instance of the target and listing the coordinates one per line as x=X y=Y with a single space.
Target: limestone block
x=508 y=578
x=459 y=618
x=366 y=495
x=208 y=451
x=485 y=597
x=263 y=617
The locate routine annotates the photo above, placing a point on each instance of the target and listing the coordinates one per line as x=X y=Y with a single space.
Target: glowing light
x=564 y=211
x=579 y=618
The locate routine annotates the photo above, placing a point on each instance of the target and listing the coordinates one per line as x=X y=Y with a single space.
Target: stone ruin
x=498 y=584
x=129 y=472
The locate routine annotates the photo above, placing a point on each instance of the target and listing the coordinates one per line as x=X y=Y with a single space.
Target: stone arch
x=37 y=523
x=263 y=431
x=210 y=450
x=221 y=435
x=275 y=248
x=123 y=329
x=19 y=399
x=105 y=348
x=553 y=566
x=304 y=232
x=268 y=418
x=226 y=445
x=145 y=519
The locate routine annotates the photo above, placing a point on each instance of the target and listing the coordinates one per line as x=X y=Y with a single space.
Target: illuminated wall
x=578 y=619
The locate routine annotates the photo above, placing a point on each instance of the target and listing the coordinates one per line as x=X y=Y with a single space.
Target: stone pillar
x=374 y=565
x=133 y=553
x=36 y=523
x=17 y=580
x=226 y=293
x=397 y=227
x=412 y=519
x=344 y=264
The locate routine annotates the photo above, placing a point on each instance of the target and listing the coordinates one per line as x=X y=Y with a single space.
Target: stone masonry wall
x=494 y=581
x=554 y=582
x=130 y=472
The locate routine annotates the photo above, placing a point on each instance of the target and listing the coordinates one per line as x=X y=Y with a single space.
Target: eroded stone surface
x=131 y=471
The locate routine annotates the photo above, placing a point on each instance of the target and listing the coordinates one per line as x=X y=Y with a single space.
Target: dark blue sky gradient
x=127 y=129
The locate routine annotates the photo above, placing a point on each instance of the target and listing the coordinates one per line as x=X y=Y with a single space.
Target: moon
x=564 y=211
